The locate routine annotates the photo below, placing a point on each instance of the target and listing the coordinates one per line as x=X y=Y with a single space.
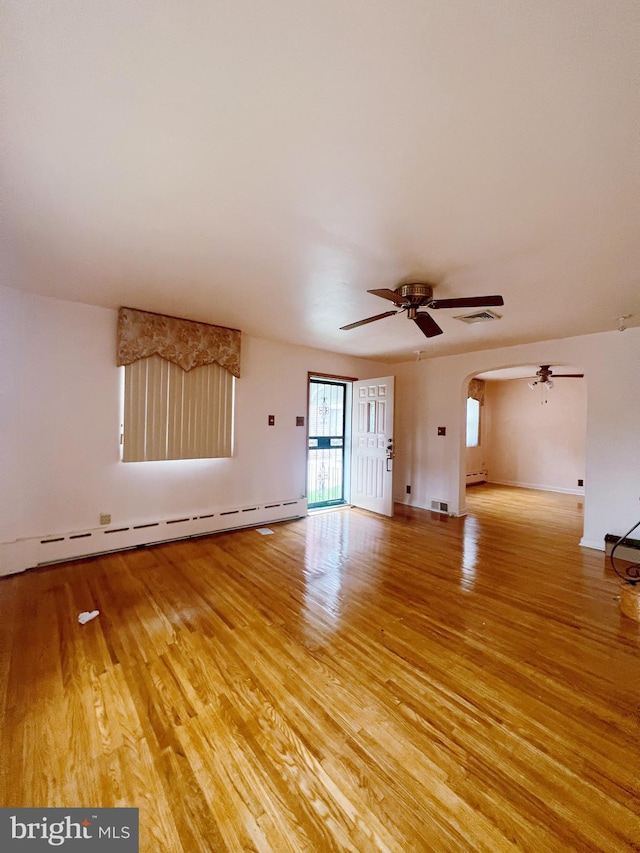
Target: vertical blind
x=170 y=413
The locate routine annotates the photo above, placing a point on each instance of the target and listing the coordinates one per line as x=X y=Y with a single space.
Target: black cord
x=633 y=571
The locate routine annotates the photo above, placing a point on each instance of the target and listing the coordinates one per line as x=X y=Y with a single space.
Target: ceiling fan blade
x=467 y=302
x=368 y=320
x=567 y=375
x=385 y=293
x=427 y=325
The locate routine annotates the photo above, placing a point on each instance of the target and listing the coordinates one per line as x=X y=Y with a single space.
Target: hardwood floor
x=349 y=683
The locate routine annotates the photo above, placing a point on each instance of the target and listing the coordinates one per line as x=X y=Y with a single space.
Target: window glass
x=473 y=422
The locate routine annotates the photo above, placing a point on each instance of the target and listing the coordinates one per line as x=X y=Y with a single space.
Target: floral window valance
x=184 y=342
x=476 y=390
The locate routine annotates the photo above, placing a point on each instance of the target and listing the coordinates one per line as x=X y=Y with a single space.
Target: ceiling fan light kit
x=544 y=380
x=411 y=296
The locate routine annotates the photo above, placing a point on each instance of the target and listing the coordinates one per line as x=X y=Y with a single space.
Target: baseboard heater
x=629 y=549
x=56 y=548
x=476 y=477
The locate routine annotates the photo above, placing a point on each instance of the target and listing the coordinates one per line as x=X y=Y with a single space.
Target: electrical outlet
x=105 y=518
x=581 y=482
x=408 y=490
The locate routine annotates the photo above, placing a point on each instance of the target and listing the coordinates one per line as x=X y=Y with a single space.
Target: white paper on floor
x=264 y=530
x=85 y=616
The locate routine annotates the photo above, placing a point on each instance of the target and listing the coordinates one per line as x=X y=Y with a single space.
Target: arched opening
x=529 y=427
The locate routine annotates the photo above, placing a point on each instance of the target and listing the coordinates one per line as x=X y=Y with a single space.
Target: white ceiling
x=262 y=164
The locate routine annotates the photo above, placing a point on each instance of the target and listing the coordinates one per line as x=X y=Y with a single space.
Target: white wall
x=432 y=393
x=535 y=444
x=59 y=420
x=59 y=412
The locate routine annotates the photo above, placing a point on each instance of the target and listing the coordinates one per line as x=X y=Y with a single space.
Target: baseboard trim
x=27 y=553
x=536 y=487
x=596 y=544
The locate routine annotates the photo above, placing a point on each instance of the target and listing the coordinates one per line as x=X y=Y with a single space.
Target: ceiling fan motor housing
x=414 y=293
x=544 y=373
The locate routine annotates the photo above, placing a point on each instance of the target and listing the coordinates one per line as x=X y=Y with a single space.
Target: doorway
x=328 y=457
x=350 y=442
x=532 y=435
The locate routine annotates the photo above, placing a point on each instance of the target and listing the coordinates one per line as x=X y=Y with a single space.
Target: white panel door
x=372 y=445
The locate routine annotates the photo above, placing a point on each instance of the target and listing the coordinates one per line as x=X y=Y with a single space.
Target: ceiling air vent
x=479 y=317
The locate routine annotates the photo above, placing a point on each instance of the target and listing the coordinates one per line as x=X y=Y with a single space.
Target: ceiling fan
x=545 y=373
x=414 y=295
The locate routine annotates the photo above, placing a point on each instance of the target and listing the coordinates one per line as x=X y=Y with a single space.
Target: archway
x=532 y=433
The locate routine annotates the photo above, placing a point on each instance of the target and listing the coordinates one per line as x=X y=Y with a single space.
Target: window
x=473 y=422
x=170 y=413
x=179 y=386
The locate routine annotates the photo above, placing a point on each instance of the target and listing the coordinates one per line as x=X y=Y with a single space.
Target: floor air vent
x=439 y=506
